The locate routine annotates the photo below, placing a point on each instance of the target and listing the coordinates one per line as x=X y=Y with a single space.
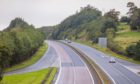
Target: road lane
x=73 y=70
x=117 y=71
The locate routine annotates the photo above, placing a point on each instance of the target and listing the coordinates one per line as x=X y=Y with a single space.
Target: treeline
x=87 y=24
x=90 y=24
x=133 y=19
x=48 y=30
x=18 y=42
x=75 y=24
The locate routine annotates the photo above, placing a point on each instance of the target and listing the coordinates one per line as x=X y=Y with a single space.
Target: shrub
x=130 y=50
x=137 y=51
x=115 y=47
x=134 y=51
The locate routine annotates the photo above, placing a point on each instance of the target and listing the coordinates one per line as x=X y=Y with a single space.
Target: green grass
x=123 y=27
x=30 y=61
x=35 y=77
x=125 y=37
x=51 y=77
x=108 y=51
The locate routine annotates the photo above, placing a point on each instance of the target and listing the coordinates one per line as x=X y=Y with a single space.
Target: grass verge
x=30 y=61
x=26 y=78
x=51 y=76
x=108 y=52
x=35 y=77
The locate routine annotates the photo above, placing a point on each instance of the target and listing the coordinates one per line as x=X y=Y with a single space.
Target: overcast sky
x=52 y=12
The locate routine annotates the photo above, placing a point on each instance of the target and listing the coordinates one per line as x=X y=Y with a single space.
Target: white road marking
x=126 y=67
x=102 y=69
x=87 y=69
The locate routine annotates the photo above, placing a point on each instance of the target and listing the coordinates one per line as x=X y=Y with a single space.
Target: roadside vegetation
x=18 y=42
x=89 y=24
x=107 y=51
x=39 y=53
x=35 y=77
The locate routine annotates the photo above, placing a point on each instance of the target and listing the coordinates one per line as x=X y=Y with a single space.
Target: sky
x=52 y=12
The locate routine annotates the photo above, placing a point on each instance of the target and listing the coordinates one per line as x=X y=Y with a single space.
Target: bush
x=137 y=53
x=134 y=51
x=116 y=48
x=130 y=50
x=18 y=42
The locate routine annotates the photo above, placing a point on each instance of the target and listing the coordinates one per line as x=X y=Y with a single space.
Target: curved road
x=72 y=70
x=117 y=71
x=46 y=61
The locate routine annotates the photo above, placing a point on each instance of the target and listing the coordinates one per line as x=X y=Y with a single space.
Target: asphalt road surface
x=117 y=71
x=72 y=69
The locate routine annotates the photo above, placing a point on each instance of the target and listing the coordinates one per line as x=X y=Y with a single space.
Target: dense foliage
x=134 y=51
x=75 y=23
x=89 y=24
x=134 y=14
x=18 y=42
x=48 y=30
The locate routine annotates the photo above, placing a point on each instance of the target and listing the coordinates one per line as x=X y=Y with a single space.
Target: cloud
x=51 y=12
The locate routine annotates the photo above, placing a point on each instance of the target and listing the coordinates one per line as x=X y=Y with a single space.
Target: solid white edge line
x=74 y=71
x=101 y=68
x=56 y=82
x=126 y=67
x=58 y=77
x=98 y=64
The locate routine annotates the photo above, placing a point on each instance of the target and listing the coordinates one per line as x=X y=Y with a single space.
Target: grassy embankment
x=124 y=37
x=35 y=77
x=120 y=41
x=30 y=61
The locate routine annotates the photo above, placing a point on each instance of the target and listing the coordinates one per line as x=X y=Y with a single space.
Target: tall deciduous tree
x=134 y=14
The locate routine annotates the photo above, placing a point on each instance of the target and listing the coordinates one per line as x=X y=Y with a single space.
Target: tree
x=73 y=24
x=107 y=24
x=110 y=33
x=134 y=51
x=132 y=8
x=134 y=14
x=113 y=14
x=17 y=22
x=18 y=43
x=130 y=50
x=137 y=53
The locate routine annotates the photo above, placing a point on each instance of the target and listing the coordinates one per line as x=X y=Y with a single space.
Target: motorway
x=116 y=71
x=72 y=70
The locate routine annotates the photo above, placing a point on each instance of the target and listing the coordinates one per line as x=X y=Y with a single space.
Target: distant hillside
x=18 y=43
x=77 y=24
x=87 y=24
x=48 y=30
